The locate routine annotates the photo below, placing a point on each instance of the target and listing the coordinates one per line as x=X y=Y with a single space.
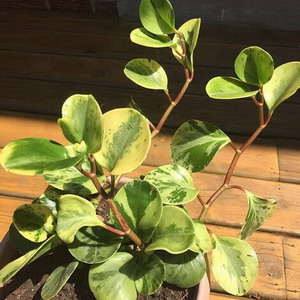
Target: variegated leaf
x=16 y=265
x=174 y=183
x=234 y=264
x=93 y=245
x=184 y=270
x=57 y=279
x=143 y=37
x=74 y=213
x=114 y=279
x=81 y=121
x=190 y=32
x=150 y=273
x=195 y=144
x=259 y=211
x=32 y=156
x=202 y=242
x=34 y=221
x=126 y=141
x=141 y=206
x=175 y=232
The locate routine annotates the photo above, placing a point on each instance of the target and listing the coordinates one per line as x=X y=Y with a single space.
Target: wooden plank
x=235 y=117
x=291 y=247
x=219 y=296
x=289 y=160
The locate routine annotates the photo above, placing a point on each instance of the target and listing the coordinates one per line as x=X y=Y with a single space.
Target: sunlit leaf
x=259 y=211
x=184 y=270
x=175 y=184
x=57 y=279
x=147 y=73
x=195 y=144
x=157 y=16
x=126 y=141
x=81 y=121
x=202 y=242
x=141 y=206
x=234 y=264
x=74 y=213
x=228 y=88
x=254 y=66
x=143 y=37
x=174 y=233
x=114 y=279
x=32 y=156
x=284 y=83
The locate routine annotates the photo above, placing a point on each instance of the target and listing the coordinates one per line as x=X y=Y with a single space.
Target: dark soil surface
x=27 y=284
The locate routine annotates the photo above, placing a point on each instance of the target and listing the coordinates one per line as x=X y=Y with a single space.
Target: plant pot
x=8 y=253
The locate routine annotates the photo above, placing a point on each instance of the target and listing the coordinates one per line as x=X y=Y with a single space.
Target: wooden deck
x=47 y=56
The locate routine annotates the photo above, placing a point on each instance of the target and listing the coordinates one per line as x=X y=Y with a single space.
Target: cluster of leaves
x=171 y=245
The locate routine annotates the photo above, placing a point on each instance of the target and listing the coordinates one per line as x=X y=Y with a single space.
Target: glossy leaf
x=126 y=141
x=284 y=83
x=150 y=273
x=21 y=244
x=49 y=199
x=57 y=279
x=157 y=16
x=16 y=265
x=93 y=245
x=174 y=233
x=147 y=73
x=81 y=121
x=74 y=213
x=184 y=270
x=114 y=279
x=32 y=156
x=234 y=264
x=174 y=183
x=143 y=37
x=141 y=206
x=190 y=32
x=254 y=66
x=259 y=211
x=195 y=144
x=228 y=88
x=34 y=221
x=202 y=242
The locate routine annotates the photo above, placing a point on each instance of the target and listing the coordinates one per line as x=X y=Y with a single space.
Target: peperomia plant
x=147 y=236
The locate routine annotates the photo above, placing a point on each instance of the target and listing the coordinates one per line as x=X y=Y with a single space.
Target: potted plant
x=145 y=236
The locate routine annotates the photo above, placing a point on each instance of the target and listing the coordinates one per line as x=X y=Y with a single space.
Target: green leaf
x=234 y=264
x=174 y=183
x=195 y=144
x=57 y=279
x=93 y=245
x=157 y=16
x=150 y=273
x=190 y=32
x=34 y=221
x=184 y=270
x=174 y=233
x=259 y=211
x=81 y=121
x=16 y=265
x=143 y=37
x=254 y=66
x=147 y=73
x=284 y=83
x=32 y=156
x=225 y=87
x=141 y=206
x=21 y=244
x=202 y=242
x=114 y=279
x=126 y=141
x=74 y=212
